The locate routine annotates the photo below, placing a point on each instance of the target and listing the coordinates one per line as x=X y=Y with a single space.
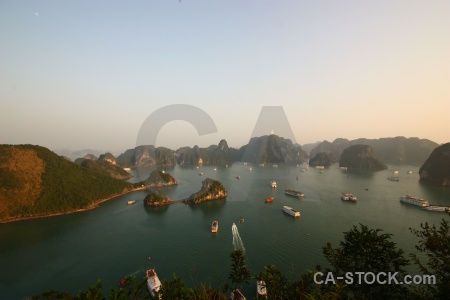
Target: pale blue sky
x=86 y=74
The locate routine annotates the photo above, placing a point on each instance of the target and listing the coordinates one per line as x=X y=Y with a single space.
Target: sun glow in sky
x=86 y=74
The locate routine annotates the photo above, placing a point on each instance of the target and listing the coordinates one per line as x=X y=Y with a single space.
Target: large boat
x=261 y=291
x=294 y=193
x=268 y=200
x=320 y=167
x=273 y=184
x=153 y=284
x=394 y=178
x=414 y=201
x=215 y=226
x=348 y=197
x=289 y=210
x=437 y=208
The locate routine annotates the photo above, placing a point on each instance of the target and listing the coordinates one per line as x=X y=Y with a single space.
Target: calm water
x=70 y=252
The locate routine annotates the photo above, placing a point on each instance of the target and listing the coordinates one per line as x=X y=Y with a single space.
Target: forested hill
x=36 y=181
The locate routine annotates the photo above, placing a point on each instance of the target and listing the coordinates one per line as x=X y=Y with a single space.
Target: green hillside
x=36 y=181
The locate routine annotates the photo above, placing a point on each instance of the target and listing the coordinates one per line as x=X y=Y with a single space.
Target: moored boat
x=273 y=184
x=414 y=201
x=294 y=193
x=409 y=172
x=290 y=211
x=393 y=178
x=268 y=200
x=153 y=283
x=320 y=167
x=348 y=197
x=215 y=226
x=395 y=171
x=261 y=291
x=131 y=202
x=437 y=208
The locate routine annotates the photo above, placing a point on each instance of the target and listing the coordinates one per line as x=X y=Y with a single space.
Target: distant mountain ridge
x=264 y=149
x=396 y=150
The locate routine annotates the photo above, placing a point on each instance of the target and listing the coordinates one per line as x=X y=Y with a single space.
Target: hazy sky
x=86 y=74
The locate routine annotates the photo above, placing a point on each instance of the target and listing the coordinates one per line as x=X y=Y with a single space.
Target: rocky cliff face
x=436 y=168
x=219 y=154
x=272 y=149
x=147 y=156
x=321 y=159
x=360 y=157
x=211 y=190
x=108 y=157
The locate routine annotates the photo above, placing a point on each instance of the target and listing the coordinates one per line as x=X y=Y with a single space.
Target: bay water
x=70 y=252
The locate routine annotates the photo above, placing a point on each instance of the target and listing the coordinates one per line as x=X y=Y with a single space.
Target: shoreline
x=94 y=205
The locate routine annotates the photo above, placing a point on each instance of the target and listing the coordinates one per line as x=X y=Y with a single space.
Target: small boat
x=261 y=165
x=348 y=197
x=261 y=291
x=275 y=166
x=294 y=193
x=153 y=283
x=343 y=168
x=393 y=178
x=320 y=167
x=241 y=220
x=131 y=202
x=395 y=171
x=273 y=184
x=321 y=171
x=238 y=177
x=290 y=211
x=237 y=295
x=215 y=226
x=127 y=169
x=409 y=172
x=200 y=174
x=215 y=169
x=268 y=200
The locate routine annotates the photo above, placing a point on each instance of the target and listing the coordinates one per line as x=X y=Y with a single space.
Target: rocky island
x=436 y=168
x=156 y=198
x=321 y=159
x=211 y=190
x=159 y=179
x=360 y=157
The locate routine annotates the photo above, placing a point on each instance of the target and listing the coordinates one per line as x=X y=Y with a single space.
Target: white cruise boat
x=131 y=202
x=273 y=184
x=414 y=201
x=437 y=208
x=290 y=211
x=261 y=291
x=153 y=283
x=215 y=226
x=320 y=167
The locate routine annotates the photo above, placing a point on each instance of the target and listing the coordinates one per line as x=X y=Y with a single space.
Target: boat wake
x=237 y=241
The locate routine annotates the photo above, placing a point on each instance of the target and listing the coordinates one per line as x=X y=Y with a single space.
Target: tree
x=239 y=272
x=277 y=285
x=368 y=250
x=435 y=243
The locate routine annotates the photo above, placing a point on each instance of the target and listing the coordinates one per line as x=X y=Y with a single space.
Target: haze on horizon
x=84 y=74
